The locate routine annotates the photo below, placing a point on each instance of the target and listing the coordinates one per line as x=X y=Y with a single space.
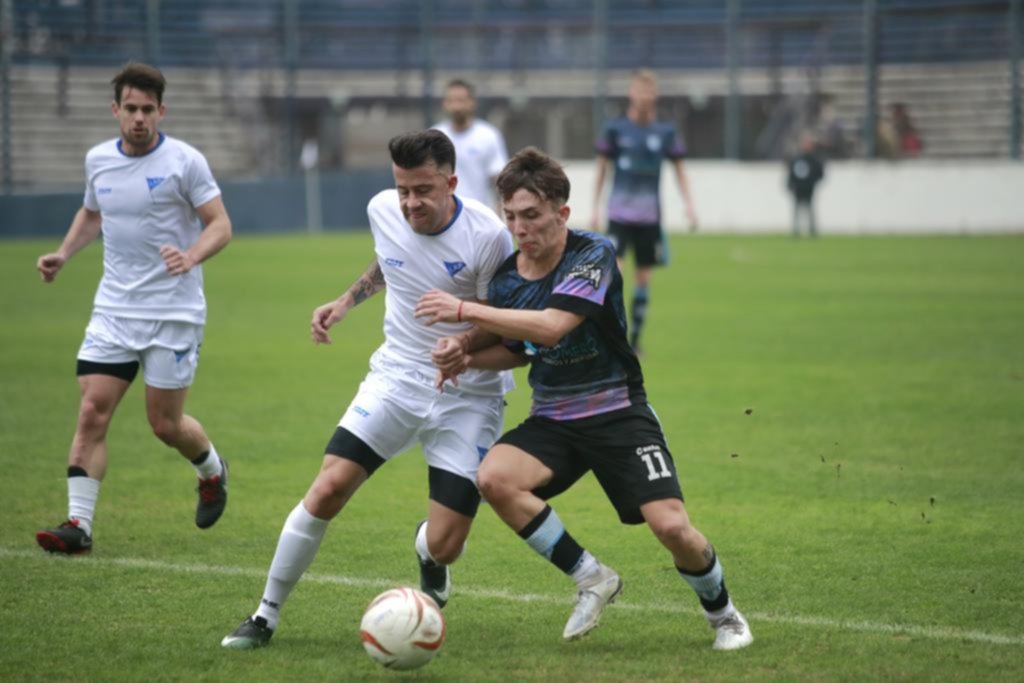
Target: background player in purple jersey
x=636 y=145
x=557 y=304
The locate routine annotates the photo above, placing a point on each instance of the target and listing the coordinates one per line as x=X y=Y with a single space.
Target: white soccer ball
x=402 y=628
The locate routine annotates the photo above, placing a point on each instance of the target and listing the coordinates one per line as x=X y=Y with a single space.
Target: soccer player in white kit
x=161 y=215
x=425 y=237
x=479 y=147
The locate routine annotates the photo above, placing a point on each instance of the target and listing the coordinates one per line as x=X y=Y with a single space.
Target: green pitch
x=846 y=415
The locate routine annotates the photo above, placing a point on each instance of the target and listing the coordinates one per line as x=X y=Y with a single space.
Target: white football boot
x=732 y=631
x=591 y=600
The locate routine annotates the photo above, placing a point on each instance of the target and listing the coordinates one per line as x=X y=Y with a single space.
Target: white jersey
x=145 y=202
x=461 y=259
x=480 y=155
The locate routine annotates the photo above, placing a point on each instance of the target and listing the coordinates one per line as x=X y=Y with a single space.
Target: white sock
x=296 y=548
x=82 y=495
x=718 y=614
x=422 y=550
x=586 y=570
x=211 y=466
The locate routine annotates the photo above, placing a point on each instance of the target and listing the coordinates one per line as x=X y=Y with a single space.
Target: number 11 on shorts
x=654 y=471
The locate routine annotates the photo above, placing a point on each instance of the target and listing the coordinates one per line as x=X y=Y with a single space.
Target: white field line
x=929 y=632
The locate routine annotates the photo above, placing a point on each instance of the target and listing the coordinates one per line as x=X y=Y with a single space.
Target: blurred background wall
x=250 y=82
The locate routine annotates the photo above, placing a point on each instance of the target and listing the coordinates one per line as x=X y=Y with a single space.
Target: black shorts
x=647 y=241
x=625 y=449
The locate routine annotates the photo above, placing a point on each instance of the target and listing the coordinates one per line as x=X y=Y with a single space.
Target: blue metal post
x=291 y=61
x=732 y=104
x=870 y=77
x=153 y=31
x=427 y=42
x=6 y=47
x=1015 y=112
x=600 y=19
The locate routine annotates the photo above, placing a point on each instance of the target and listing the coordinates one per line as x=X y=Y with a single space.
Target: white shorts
x=168 y=350
x=395 y=407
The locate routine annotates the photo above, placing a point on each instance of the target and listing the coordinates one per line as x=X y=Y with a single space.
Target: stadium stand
x=355 y=71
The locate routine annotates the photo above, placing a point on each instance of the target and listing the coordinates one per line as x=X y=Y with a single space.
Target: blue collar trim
x=139 y=156
x=458 y=210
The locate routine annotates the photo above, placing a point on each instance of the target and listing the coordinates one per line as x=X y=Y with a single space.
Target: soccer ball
x=402 y=628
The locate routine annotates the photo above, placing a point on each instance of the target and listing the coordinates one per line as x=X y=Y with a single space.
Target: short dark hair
x=460 y=83
x=141 y=77
x=412 y=150
x=534 y=171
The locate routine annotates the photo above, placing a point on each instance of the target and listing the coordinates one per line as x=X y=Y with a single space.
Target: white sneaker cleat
x=591 y=601
x=732 y=632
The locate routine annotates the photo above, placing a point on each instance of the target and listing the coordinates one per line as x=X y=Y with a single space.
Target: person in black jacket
x=806 y=170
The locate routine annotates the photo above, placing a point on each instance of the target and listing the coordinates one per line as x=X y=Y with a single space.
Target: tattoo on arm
x=368 y=284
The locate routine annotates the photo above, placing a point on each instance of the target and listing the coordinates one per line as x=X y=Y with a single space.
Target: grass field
x=868 y=510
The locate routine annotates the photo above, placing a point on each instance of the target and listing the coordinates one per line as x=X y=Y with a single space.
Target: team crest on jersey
x=653 y=143
x=588 y=272
x=454 y=267
x=153 y=182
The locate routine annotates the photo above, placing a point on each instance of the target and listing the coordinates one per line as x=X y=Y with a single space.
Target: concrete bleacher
x=961 y=110
x=50 y=132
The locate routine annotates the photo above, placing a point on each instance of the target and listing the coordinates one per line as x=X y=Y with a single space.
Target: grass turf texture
x=867 y=510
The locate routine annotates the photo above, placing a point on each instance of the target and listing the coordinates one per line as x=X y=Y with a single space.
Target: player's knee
x=165 y=429
x=495 y=485
x=333 y=483
x=93 y=418
x=673 y=530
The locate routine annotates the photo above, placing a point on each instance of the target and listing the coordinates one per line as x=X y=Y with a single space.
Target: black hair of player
x=412 y=150
x=536 y=172
x=142 y=77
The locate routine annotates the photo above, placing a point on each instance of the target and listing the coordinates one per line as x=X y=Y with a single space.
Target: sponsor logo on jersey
x=570 y=354
x=454 y=267
x=362 y=411
x=588 y=272
x=104 y=190
x=153 y=182
x=397 y=263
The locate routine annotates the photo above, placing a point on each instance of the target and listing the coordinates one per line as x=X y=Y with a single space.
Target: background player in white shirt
x=161 y=216
x=479 y=147
x=425 y=237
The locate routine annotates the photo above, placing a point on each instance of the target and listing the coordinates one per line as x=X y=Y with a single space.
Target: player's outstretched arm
x=684 y=190
x=544 y=327
x=85 y=227
x=333 y=312
x=601 y=172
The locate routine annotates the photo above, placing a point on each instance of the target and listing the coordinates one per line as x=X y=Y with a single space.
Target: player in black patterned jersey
x=557 y=305
x=592 y=369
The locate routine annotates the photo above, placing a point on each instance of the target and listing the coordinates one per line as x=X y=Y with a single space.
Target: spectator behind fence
x=832 y=140
x=805 y=171
x=908 y=139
